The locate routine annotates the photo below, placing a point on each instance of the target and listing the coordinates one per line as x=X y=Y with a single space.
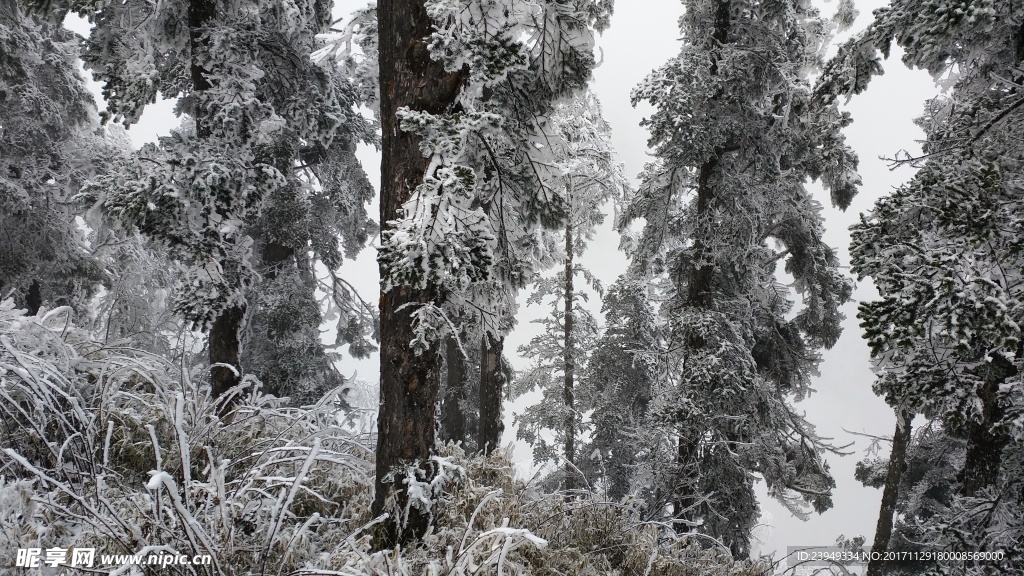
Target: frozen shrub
x=113 y=448
x=116 y=449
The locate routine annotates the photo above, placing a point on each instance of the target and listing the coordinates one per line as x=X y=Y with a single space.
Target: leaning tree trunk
x=569 y=367
x=224 y=345
x=492 y=385
x=890 y=493
x=408 y=382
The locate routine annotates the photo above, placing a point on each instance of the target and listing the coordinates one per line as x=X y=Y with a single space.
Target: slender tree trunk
x=200 y=13
x=569 y=366
x=453 y=415
x=984 y=444
x=492 y=384
x=890 y=493
x=224 y=344
x=408 y=383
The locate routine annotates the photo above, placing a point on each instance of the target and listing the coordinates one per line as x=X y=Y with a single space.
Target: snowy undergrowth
x=108 y=447
x=112 y=448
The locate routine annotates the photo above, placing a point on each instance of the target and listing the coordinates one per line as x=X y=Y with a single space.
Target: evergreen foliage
x=256 y=190
x=49 y=144
x=944 y=251
x=559 y=353
x=543 y=425
x=124 y=429
x=623 y=374
x=738 y=128
x=493 y=177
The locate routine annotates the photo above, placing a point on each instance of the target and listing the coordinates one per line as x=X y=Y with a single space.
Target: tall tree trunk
x=569 y=366
x=224 y=345
x=408 y=383
x=984 y=444
x=890 y=493
x=700 y=291
x=200 y=13
x=699 y=295
x=453 y=414
x=492 y=384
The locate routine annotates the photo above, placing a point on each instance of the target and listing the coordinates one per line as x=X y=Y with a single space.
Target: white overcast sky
x=643 y=35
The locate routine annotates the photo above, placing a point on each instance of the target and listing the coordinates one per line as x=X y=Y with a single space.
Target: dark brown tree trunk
x=569 y=366
x=984 y=443
x=890 y=493
x=492 y=385
x=408 y=383
x=453 y=415
x=34 y=298
x=200 y=13
x=224 y=348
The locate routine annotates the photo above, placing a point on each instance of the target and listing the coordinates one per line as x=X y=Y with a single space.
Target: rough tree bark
x=569 y=366
x=890 y=493
x=984 y=443
x=408 y=383
x=492 y=385
x=453 y=415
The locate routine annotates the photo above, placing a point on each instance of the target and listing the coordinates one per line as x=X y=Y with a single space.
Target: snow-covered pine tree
x=263 y=177
x=736 y=126
x=465 y=88
x=622 y=372
x=51 y=143
x=945 y=251
x=591 y=178
x=47 y=148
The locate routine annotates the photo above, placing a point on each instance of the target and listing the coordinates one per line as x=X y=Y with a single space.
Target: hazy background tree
x=50 y=143
x=559 y=354
x=623 y=373
x=256 y=188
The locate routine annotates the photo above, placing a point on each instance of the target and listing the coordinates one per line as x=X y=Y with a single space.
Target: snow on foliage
x=737 y=131
x=115 y=449
x=492 y=177
x=49 y=144
x=945 y=251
